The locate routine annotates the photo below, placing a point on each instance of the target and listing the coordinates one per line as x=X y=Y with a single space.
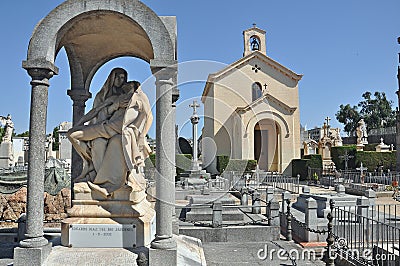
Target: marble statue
x=362 y=136
x=8 y=127
x=111 y=138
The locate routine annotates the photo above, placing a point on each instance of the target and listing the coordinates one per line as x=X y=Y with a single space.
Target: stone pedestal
x=31 y=256
x=6 y=155
x=125 y=208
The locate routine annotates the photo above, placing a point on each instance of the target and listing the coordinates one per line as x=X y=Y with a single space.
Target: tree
x=23 y=134
x=349 y=116
x=1 y=134
x=376 y=111
x=56 y=144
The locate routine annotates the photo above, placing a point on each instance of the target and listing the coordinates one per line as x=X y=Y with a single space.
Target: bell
x=255 y=46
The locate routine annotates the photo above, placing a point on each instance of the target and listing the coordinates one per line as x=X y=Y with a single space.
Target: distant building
x=20 y=150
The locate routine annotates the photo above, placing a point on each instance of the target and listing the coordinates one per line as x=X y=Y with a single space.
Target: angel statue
x=8 y=126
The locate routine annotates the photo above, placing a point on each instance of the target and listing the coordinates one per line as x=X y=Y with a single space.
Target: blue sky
x=343 y=48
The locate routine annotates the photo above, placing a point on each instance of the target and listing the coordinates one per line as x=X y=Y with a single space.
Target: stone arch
x=83 y=26
x=282 y=123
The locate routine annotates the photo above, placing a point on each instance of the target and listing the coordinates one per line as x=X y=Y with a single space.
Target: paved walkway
x=216 y=254
x=259 y=253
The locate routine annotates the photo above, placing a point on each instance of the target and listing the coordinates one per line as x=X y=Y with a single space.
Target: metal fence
x=291 y=184
x=256 y=180
x=368 y=235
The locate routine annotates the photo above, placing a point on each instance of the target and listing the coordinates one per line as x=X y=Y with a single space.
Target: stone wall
x=13 y=205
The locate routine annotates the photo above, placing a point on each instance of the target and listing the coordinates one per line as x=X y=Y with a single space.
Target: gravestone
x=65 y=147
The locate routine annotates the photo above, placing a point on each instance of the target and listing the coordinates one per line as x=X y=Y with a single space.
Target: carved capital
x=79 y=96
x=40 y=76
x=194 y=119
x=164 y=73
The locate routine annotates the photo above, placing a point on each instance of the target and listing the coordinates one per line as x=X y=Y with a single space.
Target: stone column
x=194 y=119
x=35 y=248
x=270 y=194
x=165 y=154
x=175 y=98
x=311 y=219
x=79 y=98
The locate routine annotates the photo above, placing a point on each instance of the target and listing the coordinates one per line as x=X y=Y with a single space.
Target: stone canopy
x=95 y=32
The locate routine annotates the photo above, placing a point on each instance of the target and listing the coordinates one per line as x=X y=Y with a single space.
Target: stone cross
x=346 y=157
x=194 y=105
x=361 y=169
x=327 y=119
x=195 y=120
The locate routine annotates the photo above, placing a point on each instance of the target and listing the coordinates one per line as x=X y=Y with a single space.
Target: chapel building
x=251 y=110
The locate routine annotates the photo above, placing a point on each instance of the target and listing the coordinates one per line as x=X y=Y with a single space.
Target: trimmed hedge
x=372 y=160
x=338 y=151
x=370 y=146
x=183 y=162
x=315 y=160
x=224 y=163
x=300 y=166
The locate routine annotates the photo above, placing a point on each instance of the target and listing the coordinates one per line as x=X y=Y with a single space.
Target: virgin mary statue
x=111 y=139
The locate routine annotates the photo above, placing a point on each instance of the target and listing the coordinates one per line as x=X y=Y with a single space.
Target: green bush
x=183 y=162
x=226 y=164
x=370 y=146
x=315 y=160
x=299 y=167
x=222 y=162
x=372 y=160
x=338 y=151
x=251 y=165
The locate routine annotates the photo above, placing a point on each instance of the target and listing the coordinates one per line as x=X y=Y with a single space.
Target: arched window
x=256 y=91
x=254 y=43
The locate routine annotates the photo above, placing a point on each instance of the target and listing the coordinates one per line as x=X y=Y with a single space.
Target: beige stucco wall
x=234 y=135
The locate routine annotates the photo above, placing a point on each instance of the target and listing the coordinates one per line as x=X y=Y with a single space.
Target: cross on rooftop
x=194 y=105
x=327 y=119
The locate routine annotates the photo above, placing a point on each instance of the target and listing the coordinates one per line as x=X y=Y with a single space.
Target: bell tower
x=254 y=40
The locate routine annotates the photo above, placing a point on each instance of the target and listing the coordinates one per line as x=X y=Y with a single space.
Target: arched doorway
x=267 y=145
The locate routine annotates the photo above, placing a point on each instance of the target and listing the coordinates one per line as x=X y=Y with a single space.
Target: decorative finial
x=254 y=25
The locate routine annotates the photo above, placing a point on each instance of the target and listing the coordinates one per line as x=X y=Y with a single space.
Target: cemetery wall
x=13 y=205
x=387 y=139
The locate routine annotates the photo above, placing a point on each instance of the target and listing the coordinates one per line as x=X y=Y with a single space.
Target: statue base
x=6 y=155
x=123 y=220
x=360 y=147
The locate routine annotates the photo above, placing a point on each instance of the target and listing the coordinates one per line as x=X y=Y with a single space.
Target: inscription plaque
x=102 y=235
